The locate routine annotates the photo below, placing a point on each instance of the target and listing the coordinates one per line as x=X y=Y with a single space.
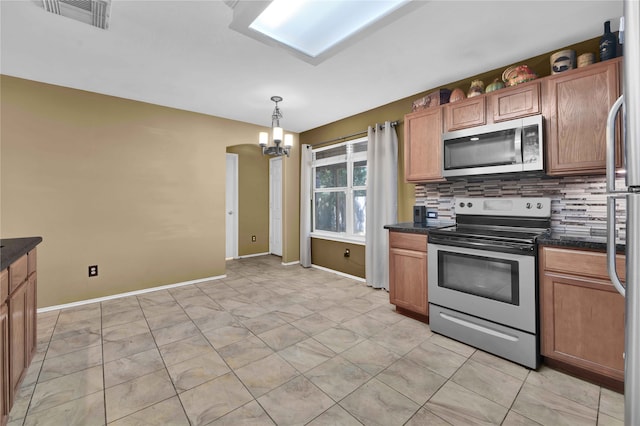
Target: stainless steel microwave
x=508 y=147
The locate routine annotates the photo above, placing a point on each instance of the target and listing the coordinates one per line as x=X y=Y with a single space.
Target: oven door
x=495 y=286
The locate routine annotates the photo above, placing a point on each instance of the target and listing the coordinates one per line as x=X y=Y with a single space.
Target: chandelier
x=277 y=134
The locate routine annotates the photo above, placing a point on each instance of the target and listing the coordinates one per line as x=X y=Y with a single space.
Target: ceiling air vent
x=92 y=12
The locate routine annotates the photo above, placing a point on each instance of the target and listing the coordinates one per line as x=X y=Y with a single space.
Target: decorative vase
x=456 y=95
x=608 y=43
x=477 y=88
x=495 y=85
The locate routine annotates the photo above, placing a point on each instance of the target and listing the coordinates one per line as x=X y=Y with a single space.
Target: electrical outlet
x=93 y=270
x=347 y=252
x=253 y=238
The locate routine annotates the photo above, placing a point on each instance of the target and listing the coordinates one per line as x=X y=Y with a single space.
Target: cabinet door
x=17 y=328
x=30 y=319
x=408 y=280
x=423 y=146
x=4 y=364
x=467 y=113
x=519 y=101
x=576 y=107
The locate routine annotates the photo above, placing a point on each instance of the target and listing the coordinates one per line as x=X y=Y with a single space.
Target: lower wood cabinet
x=582 y=314
x=408 y=273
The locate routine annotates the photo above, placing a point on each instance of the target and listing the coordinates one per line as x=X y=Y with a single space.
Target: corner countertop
x=417 y=228
x=580 y=240
x=11 y=249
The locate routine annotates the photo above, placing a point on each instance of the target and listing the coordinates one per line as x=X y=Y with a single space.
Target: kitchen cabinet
x=515 y=102
x=582 y=314
x=423 y=146
x=466 y=113
x=408 y=273
x=576 y=104
x=4 y=345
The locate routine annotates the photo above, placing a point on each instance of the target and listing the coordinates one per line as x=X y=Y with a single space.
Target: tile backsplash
x=578 y=204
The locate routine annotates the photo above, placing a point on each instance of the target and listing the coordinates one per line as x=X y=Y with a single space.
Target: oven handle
x=479 y=328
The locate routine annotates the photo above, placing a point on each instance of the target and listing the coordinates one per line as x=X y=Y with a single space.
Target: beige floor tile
x=499 y=387
x=124 y=331
x=577 y=390
x=293 y=312
x=168 y=412
x=68 y=363
x=515 y=419
x=425 y=417
x=548 y=408
x=245 y=351
x=403 y=336
x=364 y=325
x=313 y=324
x=296 y=402
x=66 y=388
x=21 y=402
x=127 y=347
x=282 y=337
x=370 y=356
x=377 y=404
x=363 y=305
x=436 y=358
x=305 y=355
x=263 y=323
x=501 y=364
x=196 y=371
x=33 y=373
x=166 y=319
x=174 y=333
x=131 y=367
x=385 y=314
x=339 y=313
x=223 y=336
x=335 y=416
x=123 y=304
x=182 y=350
x=412 y=380
x=122 y=317
x=250 y=414
x=137 y=394
x=612 y=403
x=152 y=308
x=338 y=377
x=73 y=343
x=339 y=339
x=87 y=411
x=216 y=320
x=318 y=305
x=460 y=406
x=605 y=420
x=202 y=311
x=452 y=345
x=213 y=399
x=266 y=374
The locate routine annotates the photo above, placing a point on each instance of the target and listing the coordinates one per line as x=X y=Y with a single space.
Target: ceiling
x=182 y=54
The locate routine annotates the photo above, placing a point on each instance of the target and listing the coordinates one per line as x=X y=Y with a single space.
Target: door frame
x=231 y=238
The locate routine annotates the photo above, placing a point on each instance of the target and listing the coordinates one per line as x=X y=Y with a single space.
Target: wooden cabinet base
x=414 y=315
x=585 y=374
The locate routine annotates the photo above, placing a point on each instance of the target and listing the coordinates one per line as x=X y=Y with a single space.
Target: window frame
x=350 y=158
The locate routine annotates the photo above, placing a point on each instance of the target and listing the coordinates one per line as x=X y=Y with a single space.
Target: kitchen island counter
x=11 y=249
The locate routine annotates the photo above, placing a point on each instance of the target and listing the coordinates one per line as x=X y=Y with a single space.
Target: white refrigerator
x=629 y=107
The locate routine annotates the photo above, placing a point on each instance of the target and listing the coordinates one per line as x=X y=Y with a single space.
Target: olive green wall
x=137 y=189
x=253 y=199
x=396 y=111
x=326 y=252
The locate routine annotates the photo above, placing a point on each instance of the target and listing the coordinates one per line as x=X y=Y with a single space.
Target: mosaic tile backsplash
x=578 y=204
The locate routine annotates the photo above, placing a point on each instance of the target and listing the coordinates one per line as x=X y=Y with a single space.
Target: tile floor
x=271 y=344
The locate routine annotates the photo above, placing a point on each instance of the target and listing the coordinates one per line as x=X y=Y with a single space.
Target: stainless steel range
x=483 y=286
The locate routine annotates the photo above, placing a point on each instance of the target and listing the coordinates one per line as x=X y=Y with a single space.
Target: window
x=340 y=190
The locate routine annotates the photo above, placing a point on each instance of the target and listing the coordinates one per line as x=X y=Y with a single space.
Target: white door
x=275 y=206
x=231 y=206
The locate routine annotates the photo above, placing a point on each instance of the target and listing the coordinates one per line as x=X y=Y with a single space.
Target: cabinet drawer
x=31 y=262
x=417 y=242
x=591 y=264
x=4 y=286
x=17 y=273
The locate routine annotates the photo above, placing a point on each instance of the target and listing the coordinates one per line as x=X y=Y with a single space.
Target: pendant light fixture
x=277 y=134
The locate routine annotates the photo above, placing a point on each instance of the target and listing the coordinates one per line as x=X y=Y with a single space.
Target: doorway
x=275 y=206
x=231 y=207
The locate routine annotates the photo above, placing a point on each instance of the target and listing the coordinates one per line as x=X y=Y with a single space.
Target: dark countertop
x=580 y=240
x=417 y=228
x=11 y=249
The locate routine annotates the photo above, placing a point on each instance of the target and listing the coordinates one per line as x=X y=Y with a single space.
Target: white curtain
x=305 y=205
x=382 y=201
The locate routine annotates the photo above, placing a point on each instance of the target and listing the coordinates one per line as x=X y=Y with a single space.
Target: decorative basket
x=517 y=74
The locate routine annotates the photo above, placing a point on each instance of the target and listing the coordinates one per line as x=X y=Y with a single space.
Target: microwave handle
x=517 y=145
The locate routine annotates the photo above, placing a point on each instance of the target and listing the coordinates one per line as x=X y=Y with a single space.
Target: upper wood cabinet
x=576 y=104
x=515 y=102
x=466 y=113
x=582 y=314
x=423 y=146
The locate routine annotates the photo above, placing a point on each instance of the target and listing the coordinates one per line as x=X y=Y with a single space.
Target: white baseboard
x=130 y=293
x=290 y=263
x=342 y=274
x=253 y=255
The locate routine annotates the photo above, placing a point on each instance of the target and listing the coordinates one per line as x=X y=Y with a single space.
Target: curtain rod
x=352 y=135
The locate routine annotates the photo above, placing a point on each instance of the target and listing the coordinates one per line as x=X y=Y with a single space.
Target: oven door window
x=489 y=277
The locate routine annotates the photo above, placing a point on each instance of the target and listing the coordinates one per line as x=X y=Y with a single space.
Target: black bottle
x=608 y=43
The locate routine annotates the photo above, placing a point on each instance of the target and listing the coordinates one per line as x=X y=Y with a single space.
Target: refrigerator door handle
x=611 y=244
x=611 y=144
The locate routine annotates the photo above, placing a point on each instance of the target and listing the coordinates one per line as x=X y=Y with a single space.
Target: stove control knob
x=528 y=205
x=469 y=205
x=461 y=204
x=539 y=205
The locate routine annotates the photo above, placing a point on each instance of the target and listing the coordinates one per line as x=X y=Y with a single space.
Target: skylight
x=314 y=26
x=314 y=30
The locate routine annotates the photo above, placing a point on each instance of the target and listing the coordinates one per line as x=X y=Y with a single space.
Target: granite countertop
x=417 y=228
x=11 y=249
x=572 y=239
